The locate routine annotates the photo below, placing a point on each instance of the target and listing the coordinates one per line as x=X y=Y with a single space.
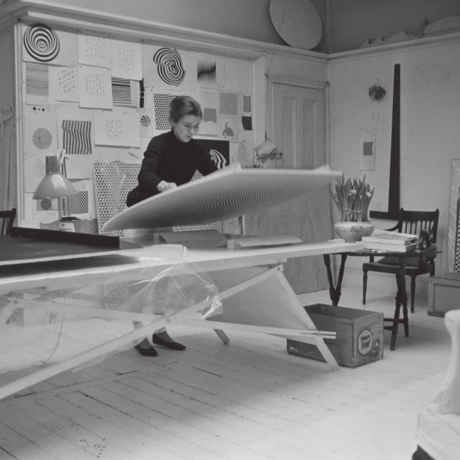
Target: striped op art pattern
x=77 y=137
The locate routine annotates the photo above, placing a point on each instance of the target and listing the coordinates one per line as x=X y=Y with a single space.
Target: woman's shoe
x=146 y=351
x=157 y=340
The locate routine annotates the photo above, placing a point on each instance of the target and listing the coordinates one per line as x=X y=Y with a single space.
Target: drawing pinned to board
x=41 y=42
x=63 y=83
x=210 y=71
x=228 y=103
x=42 y=138
x=219 y=150
x=247 y=104
x=40 y=135
x=239 y=75
x=76 y=137
x=124 y=92
x=207 y=98
x=126 y=59
x=116 y=128
x=37 y=83
x=161 y=102
x=95 y=87
x=207 y=72
x=228 y=129
x=34 y=171
x=247 y=123
x=94 y=51
x=168 y=68
x=146 y=122
x=368 y=144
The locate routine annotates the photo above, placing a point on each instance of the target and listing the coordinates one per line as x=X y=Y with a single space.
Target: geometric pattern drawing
x=41 y=42
x=218 y=158
x=94 y=51
x=223 y=195
x=121 y=92
x=42 y=138
x=170 y=67
x=64 y=84
x=161 y=103
x=77 y=137
x=145 y=121
x=37 y=80
x=207 y=72
x=79 y=203
x=113 y=181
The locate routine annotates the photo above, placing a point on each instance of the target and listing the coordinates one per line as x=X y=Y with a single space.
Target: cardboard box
x=443 y=294
x=359 y=338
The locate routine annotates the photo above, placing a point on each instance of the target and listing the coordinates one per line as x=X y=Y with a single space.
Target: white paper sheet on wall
x=37 y=83
x=169 y=68
x=146 y=122
x=43 y=43
x=94 y=51
x=245 y=153
x=63 y=84
x=239 y=75
x=78 y=166
x=126 y=59
x=117 y=128
x=210 y=71
x=207 y=98
x=95 y=87
x=368 y=140
x=40 y=135
x=42 y=209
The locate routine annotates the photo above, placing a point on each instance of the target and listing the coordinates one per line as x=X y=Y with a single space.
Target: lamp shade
x=53 y=185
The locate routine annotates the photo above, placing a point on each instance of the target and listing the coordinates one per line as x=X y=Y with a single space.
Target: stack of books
x=390 y=241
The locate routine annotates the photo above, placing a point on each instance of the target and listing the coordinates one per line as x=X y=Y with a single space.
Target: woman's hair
x=184 y=105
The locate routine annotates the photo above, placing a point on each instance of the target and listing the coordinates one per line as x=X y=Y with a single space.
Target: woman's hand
x=163 y=186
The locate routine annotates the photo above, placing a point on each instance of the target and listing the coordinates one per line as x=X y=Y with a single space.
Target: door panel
x=298 y=119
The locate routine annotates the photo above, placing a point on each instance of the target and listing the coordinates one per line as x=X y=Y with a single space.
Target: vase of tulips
x=352 y=198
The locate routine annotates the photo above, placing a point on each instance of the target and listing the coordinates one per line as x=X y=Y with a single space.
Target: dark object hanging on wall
x=395 y=159
x=376 y=93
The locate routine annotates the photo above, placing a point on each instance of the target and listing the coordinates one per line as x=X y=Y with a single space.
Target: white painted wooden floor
x=247 y=400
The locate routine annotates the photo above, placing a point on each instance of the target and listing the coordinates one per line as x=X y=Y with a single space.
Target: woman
x=170 y=160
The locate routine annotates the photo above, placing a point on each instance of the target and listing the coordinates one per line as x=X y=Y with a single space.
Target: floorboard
x=246 y=400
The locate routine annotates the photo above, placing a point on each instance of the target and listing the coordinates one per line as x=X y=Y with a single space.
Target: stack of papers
x=390 y=241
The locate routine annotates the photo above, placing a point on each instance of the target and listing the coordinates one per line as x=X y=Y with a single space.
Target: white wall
x=430 y=123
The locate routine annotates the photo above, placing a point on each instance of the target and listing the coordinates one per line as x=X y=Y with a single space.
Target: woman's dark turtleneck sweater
x=170 y=160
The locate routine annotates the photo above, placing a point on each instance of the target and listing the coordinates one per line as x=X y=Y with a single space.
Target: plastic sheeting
x=78 y=326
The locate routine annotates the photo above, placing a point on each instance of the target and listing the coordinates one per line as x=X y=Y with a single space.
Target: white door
x=298 y=129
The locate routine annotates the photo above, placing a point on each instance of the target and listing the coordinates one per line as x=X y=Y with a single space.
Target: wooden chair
x=413 y=222
x=6 y=221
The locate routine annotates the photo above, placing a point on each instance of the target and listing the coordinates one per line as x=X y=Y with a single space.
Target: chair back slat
x=416 y=221
x=6 y=221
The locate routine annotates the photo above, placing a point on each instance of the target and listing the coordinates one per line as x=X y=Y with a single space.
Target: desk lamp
x=54 y=184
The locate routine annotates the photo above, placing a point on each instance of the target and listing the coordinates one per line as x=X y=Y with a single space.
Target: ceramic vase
x=354 y=231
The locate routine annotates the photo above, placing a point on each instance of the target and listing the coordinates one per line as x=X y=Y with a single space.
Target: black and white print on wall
x=41 y=42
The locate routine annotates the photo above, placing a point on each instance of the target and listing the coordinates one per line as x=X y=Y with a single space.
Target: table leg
x=335 y=291
x=401 y=300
